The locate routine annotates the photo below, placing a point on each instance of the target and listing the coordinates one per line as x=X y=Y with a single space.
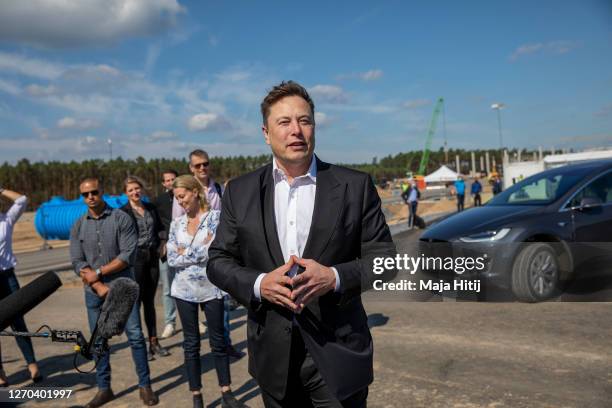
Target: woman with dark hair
x=146 y=263
x=190 y=236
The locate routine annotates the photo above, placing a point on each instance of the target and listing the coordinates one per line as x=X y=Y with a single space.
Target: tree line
x=42 y=180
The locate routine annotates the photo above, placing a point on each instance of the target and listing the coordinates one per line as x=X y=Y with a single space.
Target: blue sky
x=160 y=77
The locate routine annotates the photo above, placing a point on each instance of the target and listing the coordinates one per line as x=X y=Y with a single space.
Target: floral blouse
x=190 y=281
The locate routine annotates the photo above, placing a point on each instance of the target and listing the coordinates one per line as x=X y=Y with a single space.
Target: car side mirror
x=590 y=202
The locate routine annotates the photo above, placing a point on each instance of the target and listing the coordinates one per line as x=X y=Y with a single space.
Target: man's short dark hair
x=170 y=171
x=198 y=153
x=91 y=179
x=280 y=91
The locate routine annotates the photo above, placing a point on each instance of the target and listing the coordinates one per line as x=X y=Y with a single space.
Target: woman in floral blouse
x=188 y=242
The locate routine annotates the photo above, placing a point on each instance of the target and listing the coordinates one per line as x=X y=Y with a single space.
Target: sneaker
x=169 y=331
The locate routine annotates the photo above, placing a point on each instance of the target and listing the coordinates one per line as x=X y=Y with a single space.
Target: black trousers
x=146 y=273
x=188 y=313
x=306 y=387
x=8 y=285
x=460 y=200
x=477 y=200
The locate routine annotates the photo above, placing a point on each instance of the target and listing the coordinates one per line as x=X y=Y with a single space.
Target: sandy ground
x=26 y=239
x=430 y=352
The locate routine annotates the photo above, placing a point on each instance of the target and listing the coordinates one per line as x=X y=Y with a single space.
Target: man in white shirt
x=296 y=245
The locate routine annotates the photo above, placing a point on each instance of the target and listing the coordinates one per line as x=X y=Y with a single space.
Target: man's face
x=199 y=167
x=167 y=180
x=290 y=130
x=91 y=193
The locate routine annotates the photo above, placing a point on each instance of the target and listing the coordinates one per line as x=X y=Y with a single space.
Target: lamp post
x=498 y=107
x=110 y=149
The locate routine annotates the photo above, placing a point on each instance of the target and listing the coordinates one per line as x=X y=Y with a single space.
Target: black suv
x=537 y=234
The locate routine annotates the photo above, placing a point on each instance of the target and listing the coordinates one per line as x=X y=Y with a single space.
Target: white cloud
x=63 y=24
x=550 y=48
x=213 y=40
x=77 y=124
x=9 y=87
x=415 y=103
x=203 y=122
x=161 y=135
x=370 y=75
x=328 y=93
x=41 y=90
x=322 y=119
x=31 y=67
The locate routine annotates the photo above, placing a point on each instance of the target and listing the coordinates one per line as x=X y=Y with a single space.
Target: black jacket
x=163 y=202
x=159 y=235
x=348 y=231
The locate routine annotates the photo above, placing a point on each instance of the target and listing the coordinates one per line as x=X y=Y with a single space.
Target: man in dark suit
x=164 y=204
x=295 y=245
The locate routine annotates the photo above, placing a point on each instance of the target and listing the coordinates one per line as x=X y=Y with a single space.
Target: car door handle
x=562 y=223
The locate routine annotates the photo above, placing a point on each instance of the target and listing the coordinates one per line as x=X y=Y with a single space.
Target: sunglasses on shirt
x=200 y=165
x=94 y=193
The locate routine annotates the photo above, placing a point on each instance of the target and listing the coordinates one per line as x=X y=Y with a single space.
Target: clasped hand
x=295 y=293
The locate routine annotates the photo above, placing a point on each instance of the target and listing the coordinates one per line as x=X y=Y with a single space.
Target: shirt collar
x=107 y=211
x=280 y=175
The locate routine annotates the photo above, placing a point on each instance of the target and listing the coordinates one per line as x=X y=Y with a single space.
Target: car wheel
x=535 y=273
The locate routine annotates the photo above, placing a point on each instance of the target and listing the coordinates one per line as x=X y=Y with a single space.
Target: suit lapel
x=267 y=206
x=327 y=211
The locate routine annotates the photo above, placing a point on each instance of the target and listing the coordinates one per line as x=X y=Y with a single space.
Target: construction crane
x=430 y=133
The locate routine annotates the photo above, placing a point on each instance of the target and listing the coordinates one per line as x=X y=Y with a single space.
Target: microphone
x=114 y=314
x=25 y=299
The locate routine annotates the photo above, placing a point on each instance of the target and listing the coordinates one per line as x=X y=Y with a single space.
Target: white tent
x=442 y=175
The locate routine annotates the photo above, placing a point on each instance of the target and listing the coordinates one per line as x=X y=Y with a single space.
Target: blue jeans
x=188 y=312
x=8 y=285
x=135 y=337
x=412 y=209
x=166 y=274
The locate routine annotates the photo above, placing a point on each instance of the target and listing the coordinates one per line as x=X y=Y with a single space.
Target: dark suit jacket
x=163 y=202
x=348 y=230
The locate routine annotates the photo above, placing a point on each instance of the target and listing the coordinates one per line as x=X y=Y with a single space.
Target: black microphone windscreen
x=25 y=299
x=121 y=297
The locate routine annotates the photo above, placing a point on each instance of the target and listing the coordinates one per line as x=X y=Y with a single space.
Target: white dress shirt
x=7 y=223
x=293 y=208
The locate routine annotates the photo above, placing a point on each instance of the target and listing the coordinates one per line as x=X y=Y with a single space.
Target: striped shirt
x=7 y=223
x=94 y=242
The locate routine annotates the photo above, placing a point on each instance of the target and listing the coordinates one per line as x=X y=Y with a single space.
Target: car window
x=600 y=188
x=542 y=188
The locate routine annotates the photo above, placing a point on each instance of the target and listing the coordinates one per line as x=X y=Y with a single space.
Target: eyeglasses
x=94 y=193
x=200 y=165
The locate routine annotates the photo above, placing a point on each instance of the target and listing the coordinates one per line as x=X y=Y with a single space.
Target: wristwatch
x=98 y=272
